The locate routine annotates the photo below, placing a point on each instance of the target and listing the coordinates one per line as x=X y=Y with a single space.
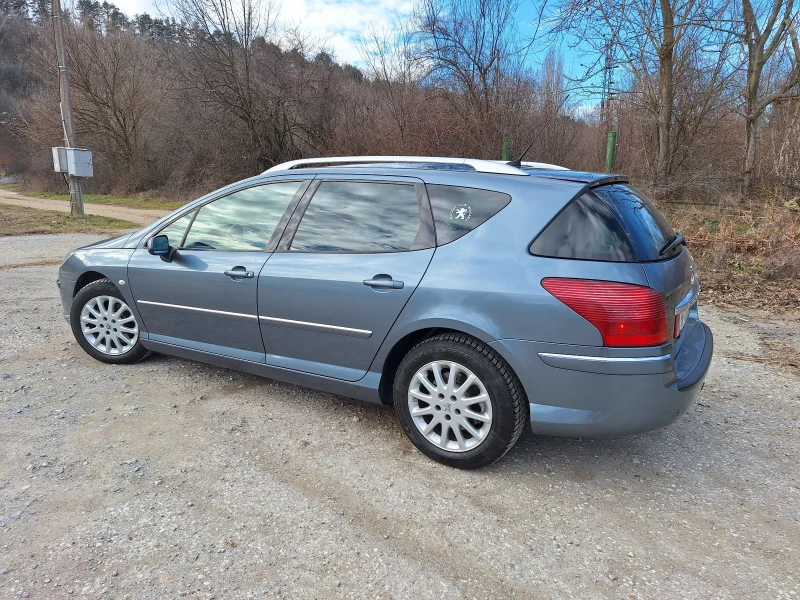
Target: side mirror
x=159 y=246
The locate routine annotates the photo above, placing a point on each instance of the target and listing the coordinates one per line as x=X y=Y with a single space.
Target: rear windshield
x=647 y=229
x=586 y=230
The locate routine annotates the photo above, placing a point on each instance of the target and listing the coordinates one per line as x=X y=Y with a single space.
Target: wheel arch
x=391 y=354
x=85 y=279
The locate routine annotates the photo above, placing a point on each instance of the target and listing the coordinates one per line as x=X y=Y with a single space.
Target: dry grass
x=129 y=201
x=776 y=353
x=36 y=263
x=745 y=257
x=19 y=220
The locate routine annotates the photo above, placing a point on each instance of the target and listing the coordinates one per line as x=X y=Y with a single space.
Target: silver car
x=475 y=296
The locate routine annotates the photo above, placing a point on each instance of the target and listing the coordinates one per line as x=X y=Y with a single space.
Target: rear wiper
x=677 y=240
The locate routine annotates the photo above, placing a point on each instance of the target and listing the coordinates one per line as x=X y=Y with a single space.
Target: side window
x=243 y=220
x=459 y=210
x=175 y=230
x=585 y=229
x=350 y=216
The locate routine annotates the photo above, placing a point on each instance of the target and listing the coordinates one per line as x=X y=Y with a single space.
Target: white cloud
x=136 y=7
x=336 y=24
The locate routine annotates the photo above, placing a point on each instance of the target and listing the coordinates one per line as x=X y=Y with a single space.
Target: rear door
x=671 y=273
x=354 y=252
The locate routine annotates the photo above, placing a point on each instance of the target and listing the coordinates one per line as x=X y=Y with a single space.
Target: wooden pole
x=75 y=191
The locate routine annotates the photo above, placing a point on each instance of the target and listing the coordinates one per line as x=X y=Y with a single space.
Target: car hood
x=115 y=242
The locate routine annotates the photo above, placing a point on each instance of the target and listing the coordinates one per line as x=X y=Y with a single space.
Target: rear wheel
x=104 y=325
x=459 y=402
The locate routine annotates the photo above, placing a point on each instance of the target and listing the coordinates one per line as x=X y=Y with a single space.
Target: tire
x=120 y=346
x=506 y=407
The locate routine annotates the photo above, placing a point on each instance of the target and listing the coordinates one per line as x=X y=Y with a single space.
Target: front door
x=330 y=294
x=206 y=297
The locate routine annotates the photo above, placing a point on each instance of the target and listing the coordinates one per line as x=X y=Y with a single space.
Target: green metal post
x=611 y=150
x=506 y=148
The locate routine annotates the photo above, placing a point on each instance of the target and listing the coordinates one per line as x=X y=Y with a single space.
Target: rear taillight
x=627 y=315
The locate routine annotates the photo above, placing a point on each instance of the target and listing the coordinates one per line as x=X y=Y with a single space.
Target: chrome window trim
x=361 y=333
x=198 y=309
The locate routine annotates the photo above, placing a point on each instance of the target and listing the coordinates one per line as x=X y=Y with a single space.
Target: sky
x=337 y=25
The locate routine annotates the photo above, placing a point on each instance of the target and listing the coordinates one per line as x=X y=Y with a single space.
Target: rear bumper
x=692 y=373
x=576 y=395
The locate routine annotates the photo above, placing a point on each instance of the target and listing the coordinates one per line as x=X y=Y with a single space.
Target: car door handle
x=384 y=282
x=239 y=273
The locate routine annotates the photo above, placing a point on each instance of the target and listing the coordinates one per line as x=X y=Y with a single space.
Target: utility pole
x=506 y=154
x=607 y=114
x=75 y=192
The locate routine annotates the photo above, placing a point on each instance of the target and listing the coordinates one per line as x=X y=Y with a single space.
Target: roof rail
x=482 y=166
x=545 y=166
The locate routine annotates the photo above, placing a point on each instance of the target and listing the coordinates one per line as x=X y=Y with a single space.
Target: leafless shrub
x=215 y=93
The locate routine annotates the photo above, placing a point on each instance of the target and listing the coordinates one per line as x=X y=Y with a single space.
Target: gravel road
x=134 y=215
x=173 y=479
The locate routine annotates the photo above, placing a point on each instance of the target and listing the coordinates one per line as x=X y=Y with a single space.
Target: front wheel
x=104 y=325
x=459 y=402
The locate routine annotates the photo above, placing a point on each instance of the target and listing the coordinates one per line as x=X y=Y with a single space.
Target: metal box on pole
x=73 y=161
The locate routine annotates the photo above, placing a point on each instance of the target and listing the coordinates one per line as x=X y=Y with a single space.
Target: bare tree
x=118 y=87
x=767 y=30
x=388 y=55
x=468 y=46
x=218 y=93
x=227 y=57
x=551 y=126
x=650 y=40
x=786 y=164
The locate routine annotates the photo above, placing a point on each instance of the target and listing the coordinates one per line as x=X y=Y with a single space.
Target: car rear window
x=459 y=210
x=648 y=230
x=587 y=230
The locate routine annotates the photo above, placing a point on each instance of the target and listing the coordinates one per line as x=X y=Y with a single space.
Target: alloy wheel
x=109 y=326
x=450 y=406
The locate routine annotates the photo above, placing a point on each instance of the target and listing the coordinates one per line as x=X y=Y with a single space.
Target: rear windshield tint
x=459 y=210
x=648 y=230
x=587 y=230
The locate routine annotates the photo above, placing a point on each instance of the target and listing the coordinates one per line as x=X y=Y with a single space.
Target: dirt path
x=170 y=479
x=134 y=215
